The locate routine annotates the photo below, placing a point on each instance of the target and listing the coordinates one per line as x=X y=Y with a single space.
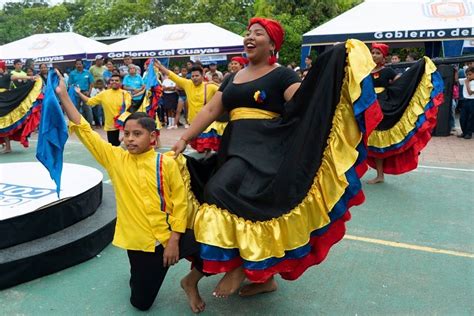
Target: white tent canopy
x=50 y=47
x=176 y=40
x=398 y=21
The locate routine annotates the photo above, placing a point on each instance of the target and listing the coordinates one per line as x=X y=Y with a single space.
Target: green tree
x=117 y=17
x=294 y=27
x=299 y=17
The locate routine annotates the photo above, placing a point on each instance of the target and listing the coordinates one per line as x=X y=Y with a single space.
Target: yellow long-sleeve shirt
x=150 y=192
x=194 y=94
x=112 y=102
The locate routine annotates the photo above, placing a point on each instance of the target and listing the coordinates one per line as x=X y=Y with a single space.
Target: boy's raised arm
x=71 y=111
x=102 y=151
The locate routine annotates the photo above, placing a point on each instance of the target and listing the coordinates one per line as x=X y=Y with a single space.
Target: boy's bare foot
x=195 y=301
x=229 y=283
x=376 y=180
x=258 y=288
x=6 y=151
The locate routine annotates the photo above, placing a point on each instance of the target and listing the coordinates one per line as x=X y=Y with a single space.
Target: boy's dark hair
x=99 y=81
x=16 y=61
x=309 y=57
x=470 y=69
x=143 y=119
x=116 y=76
x=197 y=68
x=79 y=60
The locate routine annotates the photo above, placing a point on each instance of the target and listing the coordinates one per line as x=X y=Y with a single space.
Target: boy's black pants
x=467 y=117
x=147 y=271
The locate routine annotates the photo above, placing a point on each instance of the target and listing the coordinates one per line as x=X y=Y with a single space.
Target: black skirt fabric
x=10 y=100
x=396 y=97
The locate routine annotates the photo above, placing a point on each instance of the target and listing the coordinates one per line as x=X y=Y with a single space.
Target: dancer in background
x=198 y=93
x=410 y=105
x=19 y=107
x=114 y=101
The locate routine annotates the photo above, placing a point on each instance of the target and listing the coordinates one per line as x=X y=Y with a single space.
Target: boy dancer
x=151 y=205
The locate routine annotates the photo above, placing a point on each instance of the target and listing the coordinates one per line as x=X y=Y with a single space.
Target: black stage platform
x=59 y=233
x=49 y=219
x=75 y=244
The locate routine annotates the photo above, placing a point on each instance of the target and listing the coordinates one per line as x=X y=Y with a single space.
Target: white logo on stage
x=13 y=195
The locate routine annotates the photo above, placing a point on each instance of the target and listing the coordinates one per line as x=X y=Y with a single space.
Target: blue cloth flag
x=151 y=79
x=53 y=132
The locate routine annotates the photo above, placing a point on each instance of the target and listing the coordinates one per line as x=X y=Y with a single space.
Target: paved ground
x=409 y=250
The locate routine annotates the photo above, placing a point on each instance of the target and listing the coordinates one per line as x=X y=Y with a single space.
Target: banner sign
x=175 y=52
x=49 y=59
x=393 y=36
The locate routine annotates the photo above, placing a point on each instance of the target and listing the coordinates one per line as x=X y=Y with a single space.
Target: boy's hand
x=61 y=88
x=171 y=253
x=77 y=89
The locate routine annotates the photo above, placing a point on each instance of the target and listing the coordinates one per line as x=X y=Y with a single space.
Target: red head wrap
x=241 y=60
x=275 y=32
x=3 y=65
x=383 y=48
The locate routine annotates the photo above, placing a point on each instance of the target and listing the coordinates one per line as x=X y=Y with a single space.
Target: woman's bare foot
x=379 y=168
x=229 y=283
x=376 y=180
x=6 y=151
x=189 y=285
x=258 y=288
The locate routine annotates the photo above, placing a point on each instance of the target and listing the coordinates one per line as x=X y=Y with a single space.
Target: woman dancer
x=410 y=104
x=276 y=197
x=19 y=108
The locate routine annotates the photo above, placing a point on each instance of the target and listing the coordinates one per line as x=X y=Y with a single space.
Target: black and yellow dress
x=410 y=107
x=20 y=111
x=277 y=195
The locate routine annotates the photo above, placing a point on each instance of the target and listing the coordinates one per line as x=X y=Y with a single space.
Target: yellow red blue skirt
x=410 y=107
x=20 y=111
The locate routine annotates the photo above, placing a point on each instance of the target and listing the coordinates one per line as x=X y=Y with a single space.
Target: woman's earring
x=272 y=59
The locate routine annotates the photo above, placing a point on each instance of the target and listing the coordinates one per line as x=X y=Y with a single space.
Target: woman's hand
x=179 y=147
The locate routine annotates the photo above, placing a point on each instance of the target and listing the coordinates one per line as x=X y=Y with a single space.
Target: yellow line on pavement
x=410 y=246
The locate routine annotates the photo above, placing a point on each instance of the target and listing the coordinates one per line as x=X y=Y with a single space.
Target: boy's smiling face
x=137 y=139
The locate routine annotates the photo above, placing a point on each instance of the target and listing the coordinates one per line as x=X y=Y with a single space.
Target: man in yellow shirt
x=114 y=101
x=152 y=205
x=198 y=92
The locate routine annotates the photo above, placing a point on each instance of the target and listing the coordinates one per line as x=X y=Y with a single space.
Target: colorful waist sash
x=243 y=113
